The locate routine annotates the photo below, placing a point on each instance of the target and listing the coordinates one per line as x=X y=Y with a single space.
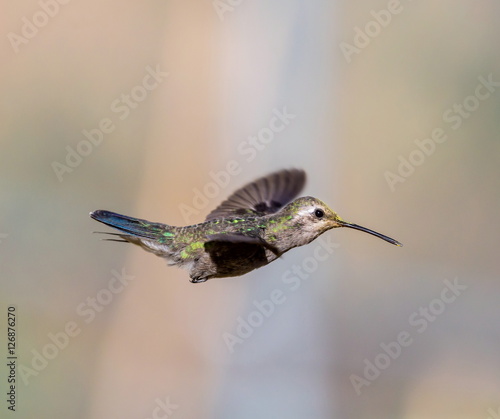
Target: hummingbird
x=253 y=227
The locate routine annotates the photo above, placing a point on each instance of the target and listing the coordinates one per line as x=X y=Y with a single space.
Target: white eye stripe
x=315 y=212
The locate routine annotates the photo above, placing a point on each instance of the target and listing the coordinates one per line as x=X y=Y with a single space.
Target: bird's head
x=313 y=217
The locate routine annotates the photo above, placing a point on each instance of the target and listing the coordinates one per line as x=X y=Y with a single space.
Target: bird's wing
x=263 y=196
x=242 y=238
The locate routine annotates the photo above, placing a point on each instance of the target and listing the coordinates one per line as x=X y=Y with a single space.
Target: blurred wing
x=241 y=238
x=263 y=196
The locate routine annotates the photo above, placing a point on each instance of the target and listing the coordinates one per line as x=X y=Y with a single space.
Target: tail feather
x=129 y=225
x=122 y=236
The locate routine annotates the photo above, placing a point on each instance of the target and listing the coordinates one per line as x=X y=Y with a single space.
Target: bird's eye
x=319 y=213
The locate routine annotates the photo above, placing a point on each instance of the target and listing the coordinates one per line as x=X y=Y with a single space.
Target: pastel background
x=366 y=85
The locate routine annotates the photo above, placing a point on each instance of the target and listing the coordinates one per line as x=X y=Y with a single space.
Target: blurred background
x=161 y=109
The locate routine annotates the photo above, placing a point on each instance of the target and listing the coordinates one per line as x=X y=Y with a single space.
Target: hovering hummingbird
x=253 y=227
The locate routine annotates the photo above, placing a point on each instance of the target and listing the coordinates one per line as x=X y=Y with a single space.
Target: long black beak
x=374 y=233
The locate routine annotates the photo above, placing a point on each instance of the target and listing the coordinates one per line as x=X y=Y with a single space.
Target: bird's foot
x=198 y=279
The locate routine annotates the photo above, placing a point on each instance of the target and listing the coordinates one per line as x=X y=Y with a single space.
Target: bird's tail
x=133 y=227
